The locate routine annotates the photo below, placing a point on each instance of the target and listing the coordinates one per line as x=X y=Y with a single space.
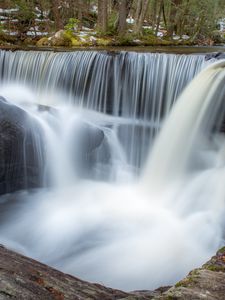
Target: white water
x=123 y=232
x=139 y=87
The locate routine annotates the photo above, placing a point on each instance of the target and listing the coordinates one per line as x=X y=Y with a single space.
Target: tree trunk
x=56 y=14
x=140 y=15
x=80 y=14
x=102 y=14
x=122 y=17
x=159 y=17
x=173 y=17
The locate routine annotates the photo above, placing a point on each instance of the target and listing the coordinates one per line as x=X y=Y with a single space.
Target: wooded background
x=194 y=18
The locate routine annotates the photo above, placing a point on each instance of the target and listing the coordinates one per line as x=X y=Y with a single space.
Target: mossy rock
x=60 y=41
x=191 y=279
x=103 y=42
x=221 y=251
x=43 y=42
x=75 y=42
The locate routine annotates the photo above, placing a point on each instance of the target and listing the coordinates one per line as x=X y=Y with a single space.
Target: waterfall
x=193 y=123
x=108 y=206
x=138 y=89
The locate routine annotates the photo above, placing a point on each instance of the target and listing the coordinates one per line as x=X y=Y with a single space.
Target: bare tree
x=142 y=6
x=122 y=16
x=173 y=16
x=55 y=7
x=102 y=14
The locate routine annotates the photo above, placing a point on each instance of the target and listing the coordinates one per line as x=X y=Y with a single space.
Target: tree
x=102 y=15
x=174 y=17
x=122 y=16
x=25 y=16
x=55 y=8
x=141 y=10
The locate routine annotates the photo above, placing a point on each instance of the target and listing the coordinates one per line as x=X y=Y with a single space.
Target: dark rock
x=88 y=145
x=21 y=162
x=215 y=55
x=22 y=148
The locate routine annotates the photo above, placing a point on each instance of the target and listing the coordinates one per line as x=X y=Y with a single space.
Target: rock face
x=25 y=278
x=23 y=148
x=21 y=162
x=207 y=282
x=216 y=55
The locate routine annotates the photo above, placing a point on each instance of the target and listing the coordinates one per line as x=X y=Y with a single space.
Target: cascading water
x=94 y=116
x=138 y=88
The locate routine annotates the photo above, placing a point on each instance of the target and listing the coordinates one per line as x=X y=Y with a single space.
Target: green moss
x=189 y=280
x=215 y=268
x=103 y=41
x=75 y=42
x=221 y=250
x=184 y=283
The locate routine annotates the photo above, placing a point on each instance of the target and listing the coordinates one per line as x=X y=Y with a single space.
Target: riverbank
x=141 y=49
x=65 y=40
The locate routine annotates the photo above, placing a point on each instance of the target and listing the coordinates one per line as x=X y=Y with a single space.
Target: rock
x=59 y=34
x=87 y=143
x=23 y=148
x=207 y=282
x=59 y=39
x=43 y=42
x=25 y=278
x=21 y=162
x=215 y=55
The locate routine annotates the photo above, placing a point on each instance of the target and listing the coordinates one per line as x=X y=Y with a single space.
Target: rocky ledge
x=207 y=282
x=25 y=278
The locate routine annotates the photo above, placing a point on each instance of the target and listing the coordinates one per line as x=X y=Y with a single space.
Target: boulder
x=21 y=161
x=215 y=55
x=88 y=144
x=23 y=148
x=44 y=41
x=207 y=282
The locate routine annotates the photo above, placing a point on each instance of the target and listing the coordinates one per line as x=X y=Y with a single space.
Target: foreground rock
x=25 y=278
x=207 y=282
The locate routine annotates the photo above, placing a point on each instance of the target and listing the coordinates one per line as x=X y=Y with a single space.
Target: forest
x=124 y=22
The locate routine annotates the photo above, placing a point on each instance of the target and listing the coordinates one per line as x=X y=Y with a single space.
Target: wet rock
x=215 y=55
x=88 y=145
x=21 y=162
